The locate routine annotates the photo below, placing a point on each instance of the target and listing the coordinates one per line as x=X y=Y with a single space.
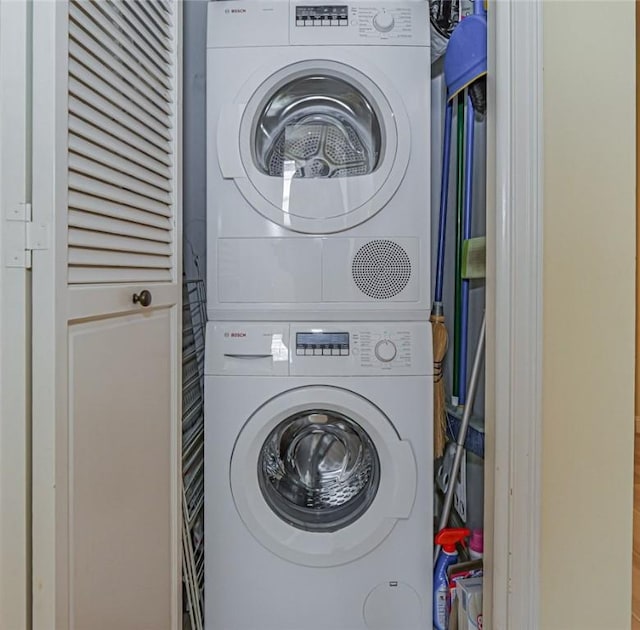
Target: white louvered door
x=106 y=212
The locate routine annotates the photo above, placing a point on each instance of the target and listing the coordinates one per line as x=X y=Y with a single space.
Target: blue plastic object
x=474 y=442
x=466 y=57
x=466 y=234
x=444 y=196
x=447 y=539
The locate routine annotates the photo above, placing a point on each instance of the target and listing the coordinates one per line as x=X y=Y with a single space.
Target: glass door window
x=319 y=471
x=317 y=126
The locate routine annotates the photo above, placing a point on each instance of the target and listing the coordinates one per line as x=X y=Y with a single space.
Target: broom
x=439 y=329
x=462 y=434
x=465 y=66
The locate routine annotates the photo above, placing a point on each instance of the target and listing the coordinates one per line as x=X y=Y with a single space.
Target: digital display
x=322 y=15
x=322 y=344
x=322 y=339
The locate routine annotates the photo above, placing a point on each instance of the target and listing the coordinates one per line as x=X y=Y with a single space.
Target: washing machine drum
x=320 y=476
x=322 y=147
x=319 y=471
x=318 y=126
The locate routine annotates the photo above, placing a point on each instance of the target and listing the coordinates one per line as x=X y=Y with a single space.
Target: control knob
x=383 y=21
x=385 y=351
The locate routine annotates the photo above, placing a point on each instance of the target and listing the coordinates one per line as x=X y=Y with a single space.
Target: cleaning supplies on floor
x=455 y=573
x=469 y=595
x=462 y=436
x=447 y=539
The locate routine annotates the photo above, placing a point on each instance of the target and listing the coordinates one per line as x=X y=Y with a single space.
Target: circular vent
x=381 y=269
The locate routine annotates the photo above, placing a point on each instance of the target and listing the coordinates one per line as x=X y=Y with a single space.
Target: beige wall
x=589 y=267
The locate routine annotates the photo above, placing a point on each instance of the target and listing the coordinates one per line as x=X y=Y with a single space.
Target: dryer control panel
x=360 y=22
x=260 y=23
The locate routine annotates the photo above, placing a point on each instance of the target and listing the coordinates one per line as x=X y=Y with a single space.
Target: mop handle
x=444 y=196
x=455 y=388
x=462 y=434
x=478 y=7
x=466 y=234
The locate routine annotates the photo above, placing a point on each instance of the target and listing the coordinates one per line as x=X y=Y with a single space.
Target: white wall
x=589 y=306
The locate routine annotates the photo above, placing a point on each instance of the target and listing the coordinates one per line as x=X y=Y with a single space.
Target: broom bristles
x=440 y=344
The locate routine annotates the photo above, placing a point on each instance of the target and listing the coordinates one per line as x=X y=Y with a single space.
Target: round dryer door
x=323 y=147
x=320 y=476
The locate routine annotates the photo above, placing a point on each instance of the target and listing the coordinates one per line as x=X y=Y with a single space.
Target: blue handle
x=444 y=196
x=466 y=234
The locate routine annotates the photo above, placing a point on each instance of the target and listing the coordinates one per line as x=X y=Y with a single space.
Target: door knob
x=143 y=298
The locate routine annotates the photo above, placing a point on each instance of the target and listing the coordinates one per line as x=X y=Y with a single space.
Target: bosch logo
x=235 y=335
x=235 y=10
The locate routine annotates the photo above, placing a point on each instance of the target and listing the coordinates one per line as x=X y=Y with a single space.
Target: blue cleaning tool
x=466 y=57
x=465 y=67
x=466 y=234
x=444 y=195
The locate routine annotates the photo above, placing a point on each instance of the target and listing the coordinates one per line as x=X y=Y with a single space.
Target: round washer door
x=323 y=147
x=319 y=476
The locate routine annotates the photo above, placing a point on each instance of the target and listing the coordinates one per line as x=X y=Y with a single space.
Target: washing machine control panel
x=319 y=344
x=319 y=349
x=324 y=15
x=358 y=349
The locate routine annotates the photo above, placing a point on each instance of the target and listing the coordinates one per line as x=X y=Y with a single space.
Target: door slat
x=95 y=135
x=125 y=81
x=91 y=239
x=132 y=39
x=121 y=143
x=111 y=225
x=106 y=208
x=98 y=188
x=106 y=34
x=81 y=164
x=108 y=125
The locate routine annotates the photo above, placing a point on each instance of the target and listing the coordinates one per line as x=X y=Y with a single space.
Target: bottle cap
x=448 y=538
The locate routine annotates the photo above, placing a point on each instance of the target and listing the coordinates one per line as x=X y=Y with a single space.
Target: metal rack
x=194 y=320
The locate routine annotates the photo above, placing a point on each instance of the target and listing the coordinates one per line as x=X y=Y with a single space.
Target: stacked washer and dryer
x=318 y=386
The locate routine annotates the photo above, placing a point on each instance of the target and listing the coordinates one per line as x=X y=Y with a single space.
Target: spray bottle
x=447 y=539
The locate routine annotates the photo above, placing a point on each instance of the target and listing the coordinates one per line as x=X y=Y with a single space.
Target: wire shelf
x=194 y=319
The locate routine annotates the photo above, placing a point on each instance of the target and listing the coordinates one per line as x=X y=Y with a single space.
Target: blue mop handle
x=478 y=7
x=444 y=196
x=466 y=234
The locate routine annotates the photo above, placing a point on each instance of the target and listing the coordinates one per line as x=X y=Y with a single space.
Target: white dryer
x=318 y=169
x=318 y=469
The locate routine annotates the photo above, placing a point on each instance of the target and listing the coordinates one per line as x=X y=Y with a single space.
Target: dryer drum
x=319 y=471
x=317 y=126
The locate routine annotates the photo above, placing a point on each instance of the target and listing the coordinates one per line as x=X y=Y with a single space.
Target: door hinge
x=23 y=236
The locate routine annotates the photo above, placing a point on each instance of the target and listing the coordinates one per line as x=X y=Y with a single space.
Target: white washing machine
x=318 y=159
x=318 y=469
